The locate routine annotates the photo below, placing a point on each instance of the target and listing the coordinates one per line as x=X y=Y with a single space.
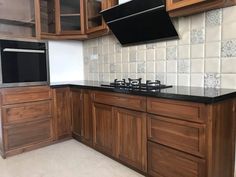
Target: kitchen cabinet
x=131 y=139
x=62 y=113
x=188 y=7
x=82 y=115
x=103 y=130
x=74 y=19
x=26 y=119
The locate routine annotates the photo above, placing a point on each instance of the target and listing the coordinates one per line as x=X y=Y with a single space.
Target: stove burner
x=136 y=84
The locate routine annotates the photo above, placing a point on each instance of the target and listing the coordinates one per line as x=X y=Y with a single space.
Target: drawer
x=22 y=135
x=25 y=94
x=27 y=111
x=177 y=109
x=181 y=135
x=166 y=162
x=121 y=100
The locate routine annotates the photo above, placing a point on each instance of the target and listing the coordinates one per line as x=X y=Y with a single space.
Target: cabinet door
x=76 y=111
x=45 y=18
x=71 y=17
x=103 y=135
x=176 y=4
x=131 y=137
x=62 y=113
x=87 y=118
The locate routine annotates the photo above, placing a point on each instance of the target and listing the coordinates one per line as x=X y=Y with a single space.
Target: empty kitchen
x=117 y=88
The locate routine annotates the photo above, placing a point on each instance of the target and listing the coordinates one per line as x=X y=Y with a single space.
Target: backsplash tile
x=205 y=54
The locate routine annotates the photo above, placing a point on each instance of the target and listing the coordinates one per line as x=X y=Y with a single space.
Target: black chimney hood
x=140 y=21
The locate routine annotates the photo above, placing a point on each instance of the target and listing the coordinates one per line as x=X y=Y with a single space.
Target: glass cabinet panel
x=70 y=15
x=47 y=16
x=94 y=19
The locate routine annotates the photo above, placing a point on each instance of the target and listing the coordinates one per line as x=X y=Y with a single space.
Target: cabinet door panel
x=62 y=112
x=165 y=162
x=76 y=110
x=131 y=137
x=103 y=128
x=176 y=4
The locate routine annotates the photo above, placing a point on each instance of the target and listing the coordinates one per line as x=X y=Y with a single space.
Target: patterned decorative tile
x=171 y=53
x=212 y=80
x=161 y=77
x=141 y=68
x=214 y=17
x=197 y=36
x=183 y=66
x=228 y=48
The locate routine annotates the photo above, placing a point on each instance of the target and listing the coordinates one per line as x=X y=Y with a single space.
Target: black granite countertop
x=194 y=94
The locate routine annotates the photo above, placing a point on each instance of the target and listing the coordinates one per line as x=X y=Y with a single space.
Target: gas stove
x=137 y=85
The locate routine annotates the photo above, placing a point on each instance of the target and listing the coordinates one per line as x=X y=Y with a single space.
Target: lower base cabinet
x=131 y=139
x=166 y=162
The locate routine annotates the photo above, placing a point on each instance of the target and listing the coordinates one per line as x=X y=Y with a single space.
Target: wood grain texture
x=121 y=100
x=194 y=112
x=26 y=112
x=62 y=112
x=166 y=162
x=176 y=4
x=181 y=135
x=103 y=130
x=131 y=139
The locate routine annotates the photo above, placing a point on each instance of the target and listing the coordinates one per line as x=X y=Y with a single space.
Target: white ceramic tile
x=150 y=76
x=171 y=79
x=184 y=52
x=150 y=55
x=229 y=14
x=118 y=58
x=141 y=55
x=198 y=21
x=141 y=67
x=197 y=66
x=125 y=67
x=228 y=65
x=213 y=50
x=171 y=53
x=133 y=67
x=212 y=66
x=228 y=81
x=183 y=66
x=161 y=54
x=228 y=31
x=172 y=66
x=171 y=43
x=197 y=51
x=184 y=79
x=197 y=80
x=132 y=56
x=161 y=44
x=150 y=67
x=161 y=77
x=161 y=66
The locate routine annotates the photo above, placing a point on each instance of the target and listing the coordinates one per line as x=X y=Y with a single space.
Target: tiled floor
x=67 y=159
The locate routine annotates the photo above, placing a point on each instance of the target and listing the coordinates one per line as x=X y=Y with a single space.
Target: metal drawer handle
x=23 y=50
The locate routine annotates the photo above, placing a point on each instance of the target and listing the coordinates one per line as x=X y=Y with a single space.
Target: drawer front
x=25 y=94
x=177 y=109
x=184 y=136
x=121 y=100
x=165 y=162
x=27 y=111
x=28 y=133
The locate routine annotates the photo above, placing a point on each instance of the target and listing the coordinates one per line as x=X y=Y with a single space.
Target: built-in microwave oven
x=23 y=63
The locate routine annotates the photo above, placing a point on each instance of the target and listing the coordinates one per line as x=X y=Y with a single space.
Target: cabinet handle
x=23 y=50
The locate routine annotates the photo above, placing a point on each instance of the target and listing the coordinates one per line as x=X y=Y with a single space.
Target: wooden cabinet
x=82 y=115
x=26 y=119
x=188 y=7
x=131 y=139
x=62 y=113
x=74 y=19
x=103 y=130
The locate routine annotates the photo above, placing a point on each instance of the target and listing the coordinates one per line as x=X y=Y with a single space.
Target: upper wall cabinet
x=178 y=8
x=71 y=19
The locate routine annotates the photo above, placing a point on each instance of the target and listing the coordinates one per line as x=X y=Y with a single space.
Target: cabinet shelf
x=95 y=17
x=30 y=23
x=70 y=15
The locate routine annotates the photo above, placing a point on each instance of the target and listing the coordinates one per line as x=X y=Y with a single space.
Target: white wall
x=66 y=61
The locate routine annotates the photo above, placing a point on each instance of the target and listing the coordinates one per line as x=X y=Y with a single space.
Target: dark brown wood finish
x=166 y=162
x=103 y=130
x=131 y=139
x=62 y=113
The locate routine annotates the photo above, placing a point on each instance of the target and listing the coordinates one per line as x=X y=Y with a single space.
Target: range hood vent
x=140 y=21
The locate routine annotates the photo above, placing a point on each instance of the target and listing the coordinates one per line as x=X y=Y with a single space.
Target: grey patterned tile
x=141 y=67
x=171 y=53
x=228 y=48
x=184 y=66
x=161 y=77
x=212 y=80
x=214 y=17
x=197 y=36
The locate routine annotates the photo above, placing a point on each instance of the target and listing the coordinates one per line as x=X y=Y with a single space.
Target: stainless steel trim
x=23 y=50
x=132 y=15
